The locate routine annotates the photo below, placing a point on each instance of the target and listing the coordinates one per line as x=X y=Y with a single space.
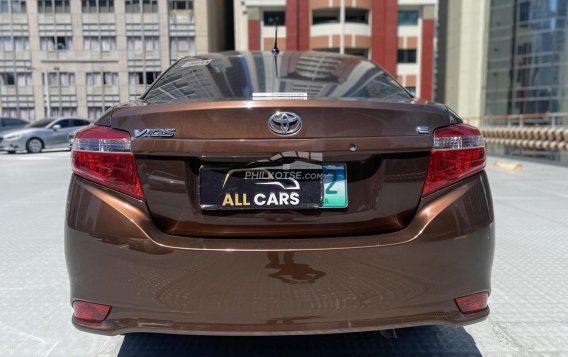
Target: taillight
x=458 y=152
x=90 y=312
x=103 y=155
x=470 y=304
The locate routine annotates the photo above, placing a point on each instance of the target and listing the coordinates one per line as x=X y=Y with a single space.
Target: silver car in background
x=42 y=134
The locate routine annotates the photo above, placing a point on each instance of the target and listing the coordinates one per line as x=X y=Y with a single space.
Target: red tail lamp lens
x=90 y=312
x=470 y=304
x=104 y=156
x=458 y=152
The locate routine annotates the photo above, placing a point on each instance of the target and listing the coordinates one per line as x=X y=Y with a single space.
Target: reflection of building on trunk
x=290 y=272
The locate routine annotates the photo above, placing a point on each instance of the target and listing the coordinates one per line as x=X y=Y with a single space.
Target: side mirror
x=56 y=127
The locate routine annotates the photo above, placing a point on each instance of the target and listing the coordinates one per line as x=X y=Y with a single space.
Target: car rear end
x=200 y=217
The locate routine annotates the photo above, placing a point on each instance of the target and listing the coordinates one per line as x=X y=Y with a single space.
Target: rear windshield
x=290 y=75
x=40 y=123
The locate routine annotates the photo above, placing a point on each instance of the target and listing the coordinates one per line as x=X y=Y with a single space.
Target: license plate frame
x=292 y=186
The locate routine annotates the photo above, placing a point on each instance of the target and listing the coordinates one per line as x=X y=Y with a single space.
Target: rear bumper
x=160 y=283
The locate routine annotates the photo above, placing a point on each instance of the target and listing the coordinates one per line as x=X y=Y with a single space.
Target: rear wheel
x=34 y=146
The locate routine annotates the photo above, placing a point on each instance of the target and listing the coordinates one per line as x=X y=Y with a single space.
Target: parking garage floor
x=530 y=278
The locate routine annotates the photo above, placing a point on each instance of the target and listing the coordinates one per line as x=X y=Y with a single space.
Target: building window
x=12 y=79
x=524 y=11
x=62 y=111
x=181 y=46
x=55 y=43
x=145 y=6
x=19 y=44
x=142 y=78
x=95 y=112
x=363 y=52
x=331 y=50
x=22 y=113
x=182 y=43
x=406 y=56
x=325 y=16
x=102 y=78
x=53 y=6
x=23 y=79
x=17 y=7
x=148 y=43
x=358 y=16
x=7 y=79
x=100 y=6
x=104 y=43
x=408 y=17
x=60 y=79
x=273 y=18
x=180 y=5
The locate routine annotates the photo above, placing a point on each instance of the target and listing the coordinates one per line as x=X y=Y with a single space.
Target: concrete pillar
x=164 y=21
x=201 y=26
x=241 y=25
x=119 y=8
x=37 y=70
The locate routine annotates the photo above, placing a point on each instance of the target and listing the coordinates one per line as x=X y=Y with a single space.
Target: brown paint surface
x=390 y=259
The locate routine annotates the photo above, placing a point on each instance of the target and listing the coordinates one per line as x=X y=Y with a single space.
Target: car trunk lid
x=385 y=158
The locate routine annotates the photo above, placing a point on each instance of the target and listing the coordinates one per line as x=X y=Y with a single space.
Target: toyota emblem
x=284 y=123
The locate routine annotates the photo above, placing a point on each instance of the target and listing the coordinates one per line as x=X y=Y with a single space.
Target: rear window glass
x=290 y=75
x=79 y=122
x=40 y=123
x=13 y=122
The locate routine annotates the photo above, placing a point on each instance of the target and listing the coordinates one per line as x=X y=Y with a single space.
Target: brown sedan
x=294 y=193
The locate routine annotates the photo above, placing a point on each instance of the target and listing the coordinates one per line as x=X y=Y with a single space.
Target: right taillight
x=103 y=155
x=458 y=152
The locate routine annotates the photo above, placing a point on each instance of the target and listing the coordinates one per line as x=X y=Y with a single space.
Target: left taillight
x=458 y=152
x=103 y=155
x=90 y=312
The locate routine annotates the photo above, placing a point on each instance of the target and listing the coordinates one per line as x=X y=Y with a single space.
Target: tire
x=34 y=146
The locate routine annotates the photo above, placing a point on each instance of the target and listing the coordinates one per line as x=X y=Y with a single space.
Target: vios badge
x=154 y=133
x=284 y=123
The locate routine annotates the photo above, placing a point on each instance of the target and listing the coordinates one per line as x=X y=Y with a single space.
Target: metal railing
x=521 y=120
x=542 y=135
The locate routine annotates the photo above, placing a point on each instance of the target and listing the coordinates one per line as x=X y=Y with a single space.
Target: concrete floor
x=529 y=301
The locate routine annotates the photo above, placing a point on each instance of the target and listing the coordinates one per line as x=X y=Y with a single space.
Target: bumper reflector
x=470 y=304
x=90 y=312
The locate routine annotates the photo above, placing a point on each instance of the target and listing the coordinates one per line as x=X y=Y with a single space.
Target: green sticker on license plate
x=334 y=186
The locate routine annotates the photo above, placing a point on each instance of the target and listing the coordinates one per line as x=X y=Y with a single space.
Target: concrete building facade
x=462 y=53
x=79 y=57
x=398 y=35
